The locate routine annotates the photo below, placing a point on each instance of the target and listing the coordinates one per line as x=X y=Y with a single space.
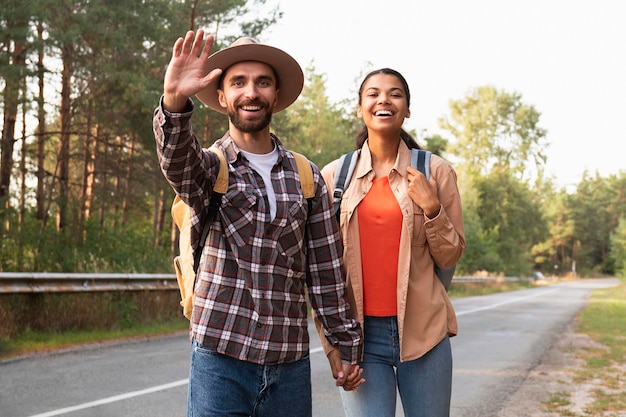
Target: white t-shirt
x=263 y=164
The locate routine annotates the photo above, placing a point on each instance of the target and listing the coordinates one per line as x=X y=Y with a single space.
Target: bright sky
x=567 y=58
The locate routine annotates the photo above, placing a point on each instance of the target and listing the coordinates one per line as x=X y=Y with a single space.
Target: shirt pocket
x=238 y=211
x=293 y=236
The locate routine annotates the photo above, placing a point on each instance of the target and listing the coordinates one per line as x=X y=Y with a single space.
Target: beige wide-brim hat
x=289 y=72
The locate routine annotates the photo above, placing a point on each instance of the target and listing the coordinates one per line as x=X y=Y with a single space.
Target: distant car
x=537 y=275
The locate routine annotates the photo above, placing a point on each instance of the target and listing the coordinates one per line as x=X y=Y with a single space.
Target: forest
x=81 y=189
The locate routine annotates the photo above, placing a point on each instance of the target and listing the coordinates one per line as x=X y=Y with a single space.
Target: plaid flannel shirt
x=250 y=293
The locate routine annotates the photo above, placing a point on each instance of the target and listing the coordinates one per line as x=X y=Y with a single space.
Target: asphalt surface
x=502 y=337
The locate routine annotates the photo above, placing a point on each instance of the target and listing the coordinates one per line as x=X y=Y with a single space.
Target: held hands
x=347 y=376
x=423 y=192
x=187 y=72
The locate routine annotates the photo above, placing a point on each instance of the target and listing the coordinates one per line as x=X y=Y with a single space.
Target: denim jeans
x=424 y=384
x=223 y=386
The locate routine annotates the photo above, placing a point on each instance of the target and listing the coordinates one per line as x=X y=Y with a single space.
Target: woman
x=396 y=225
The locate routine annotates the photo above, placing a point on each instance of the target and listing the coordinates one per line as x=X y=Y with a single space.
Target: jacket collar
x=364 y=167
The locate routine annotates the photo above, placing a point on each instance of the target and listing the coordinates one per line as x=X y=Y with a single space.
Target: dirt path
x=553 y=379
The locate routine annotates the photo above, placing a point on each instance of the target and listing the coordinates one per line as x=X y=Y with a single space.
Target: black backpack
x=420 y=160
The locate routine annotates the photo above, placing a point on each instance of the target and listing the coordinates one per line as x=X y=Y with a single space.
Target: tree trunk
x=23 y=190
x=41 y=130
x=155 y=218
x=11 y=103
x=89 y=173
x=161 y=210
x=8 y=141
x=129 y=176
x=103 y=162
x=64 y=140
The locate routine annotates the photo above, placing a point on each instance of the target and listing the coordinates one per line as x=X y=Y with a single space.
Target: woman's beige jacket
x=425 y=313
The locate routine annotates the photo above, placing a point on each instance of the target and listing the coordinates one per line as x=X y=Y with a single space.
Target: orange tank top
x=380 y=225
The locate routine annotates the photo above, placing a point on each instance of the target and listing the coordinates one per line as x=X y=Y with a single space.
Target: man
x=267 y=245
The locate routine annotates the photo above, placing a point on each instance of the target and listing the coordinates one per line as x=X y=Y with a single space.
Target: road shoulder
x=554 y=376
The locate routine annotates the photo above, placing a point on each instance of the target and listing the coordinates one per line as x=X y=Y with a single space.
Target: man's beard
x=249 y=126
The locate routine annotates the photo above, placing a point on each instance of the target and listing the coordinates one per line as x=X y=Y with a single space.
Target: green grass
x=39 y=322
x=29 y=342
x=604 y=321
x=469 y=289
x=557 y=401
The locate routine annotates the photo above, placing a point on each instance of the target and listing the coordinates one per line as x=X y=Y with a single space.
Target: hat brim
x=289 y=72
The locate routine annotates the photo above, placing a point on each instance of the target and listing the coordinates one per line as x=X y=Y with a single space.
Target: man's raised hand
x=187 y=73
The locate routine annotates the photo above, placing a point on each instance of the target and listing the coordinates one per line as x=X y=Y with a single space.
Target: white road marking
x=128 y=395
x=186 y=381
x=113 y=399
x=509 y=301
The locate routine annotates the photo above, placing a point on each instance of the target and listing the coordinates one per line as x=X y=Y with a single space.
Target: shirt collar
x=232 y=151
x=364 y=167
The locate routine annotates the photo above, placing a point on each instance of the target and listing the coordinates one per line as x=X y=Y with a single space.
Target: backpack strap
x=221 y=183
x=306 y=175
x=420 y=160
x=221 y=186
x=219 y=189
x=343 y=174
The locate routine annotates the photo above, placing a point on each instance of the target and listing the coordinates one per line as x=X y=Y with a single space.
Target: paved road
x=502 y=337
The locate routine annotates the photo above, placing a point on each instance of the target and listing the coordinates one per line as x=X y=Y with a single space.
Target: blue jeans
x=424 y=384
x=223 y=386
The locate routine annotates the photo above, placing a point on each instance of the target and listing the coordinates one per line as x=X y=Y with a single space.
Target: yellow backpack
x=185 y=264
